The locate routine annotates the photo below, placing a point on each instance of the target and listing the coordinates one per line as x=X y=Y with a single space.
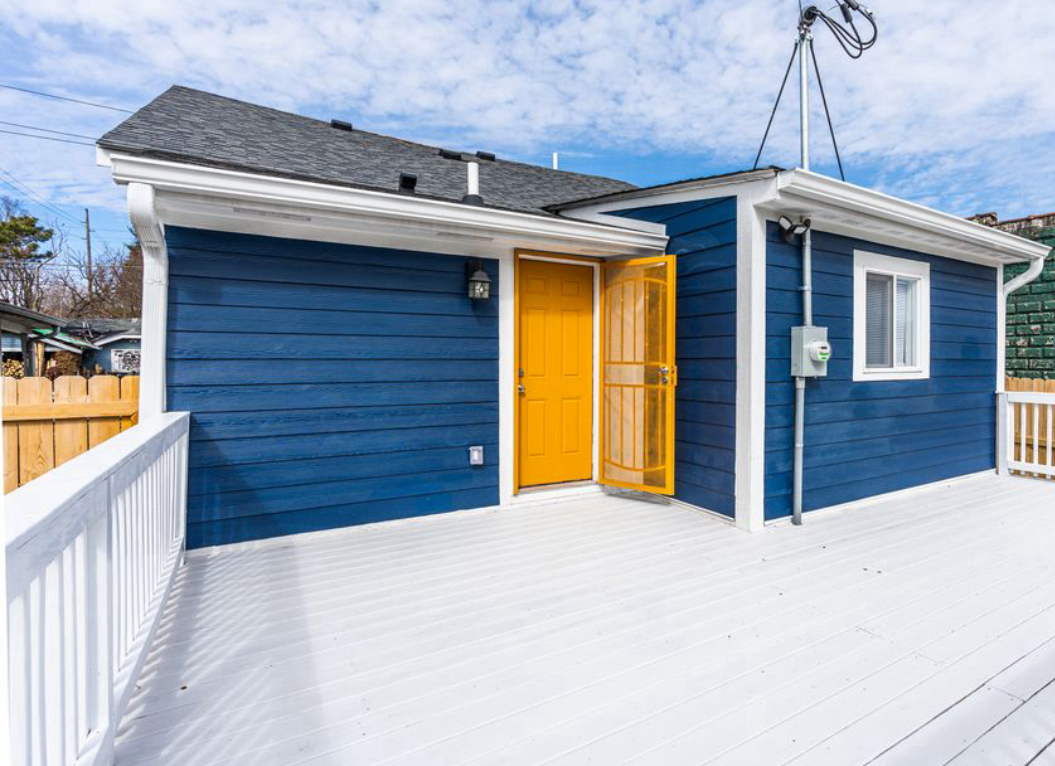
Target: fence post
x=1003 y=435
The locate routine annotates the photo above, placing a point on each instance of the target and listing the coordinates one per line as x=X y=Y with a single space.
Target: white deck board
x=916 y=629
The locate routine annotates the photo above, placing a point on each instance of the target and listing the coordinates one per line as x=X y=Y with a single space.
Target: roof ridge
x=386 y=136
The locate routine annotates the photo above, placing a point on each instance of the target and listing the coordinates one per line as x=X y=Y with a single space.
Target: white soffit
x=842 y=208
x=225 y=200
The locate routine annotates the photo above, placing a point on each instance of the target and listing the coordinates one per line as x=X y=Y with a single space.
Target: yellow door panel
x=555 y=407
x=638 y=374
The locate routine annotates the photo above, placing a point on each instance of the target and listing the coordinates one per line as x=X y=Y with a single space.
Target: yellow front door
x=555 y=372
x=638 y=374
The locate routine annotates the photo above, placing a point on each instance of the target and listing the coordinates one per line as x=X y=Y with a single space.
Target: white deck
x=606 y=631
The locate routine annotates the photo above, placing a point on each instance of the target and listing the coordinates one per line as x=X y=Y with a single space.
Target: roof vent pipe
x=472 y=194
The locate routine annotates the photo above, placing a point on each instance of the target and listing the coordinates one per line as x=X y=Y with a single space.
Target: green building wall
x=1031 y=316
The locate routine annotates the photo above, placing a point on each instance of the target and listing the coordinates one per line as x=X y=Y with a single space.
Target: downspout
x=143 y=213
x=1036 y=268
x=1032 y=272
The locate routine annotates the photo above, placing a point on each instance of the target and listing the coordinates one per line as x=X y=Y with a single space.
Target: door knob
x=521 y=389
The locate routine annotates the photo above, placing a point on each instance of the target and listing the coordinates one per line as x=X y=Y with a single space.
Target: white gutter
x=373 y=206
x=814 y=189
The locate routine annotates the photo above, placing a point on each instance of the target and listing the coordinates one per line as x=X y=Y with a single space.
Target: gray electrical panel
x=810 y=352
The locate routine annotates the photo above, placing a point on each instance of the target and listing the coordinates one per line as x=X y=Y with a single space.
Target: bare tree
x=116 y=279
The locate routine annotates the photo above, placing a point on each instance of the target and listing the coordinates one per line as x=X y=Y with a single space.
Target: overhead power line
x=47 y=130
x=36 y=197
x=46 y=138
x=66 y=98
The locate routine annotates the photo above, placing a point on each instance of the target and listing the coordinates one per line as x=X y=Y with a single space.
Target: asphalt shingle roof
x=192 y=126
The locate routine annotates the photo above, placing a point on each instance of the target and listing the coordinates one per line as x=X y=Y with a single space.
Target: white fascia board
x=215 y=188
x=688 y=191
x=113 y=339
x=53 y=343
x=942 y=233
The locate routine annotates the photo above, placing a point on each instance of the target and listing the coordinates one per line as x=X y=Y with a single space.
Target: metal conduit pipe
x=800 y=382
x=805 y=41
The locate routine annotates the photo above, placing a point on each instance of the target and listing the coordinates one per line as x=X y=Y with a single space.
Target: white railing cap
x=1031 y=397
x=40 y=502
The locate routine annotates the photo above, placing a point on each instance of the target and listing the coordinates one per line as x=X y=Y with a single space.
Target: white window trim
x=865 y=263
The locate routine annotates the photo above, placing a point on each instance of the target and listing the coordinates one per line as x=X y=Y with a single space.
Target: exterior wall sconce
x=479 y=282
x=789 y=229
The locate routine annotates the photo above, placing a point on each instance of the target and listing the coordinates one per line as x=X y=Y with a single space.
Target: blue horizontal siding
x=329 y=385
x=703 y=236
x=867 y=438
x=344 y=515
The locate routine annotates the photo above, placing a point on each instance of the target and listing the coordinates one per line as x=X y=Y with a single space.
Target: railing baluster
x=1051 y=417
x=54 y=704
x=1036 y=434
x=80 y=601
x=36 y=649
x=18 y=678
x=70 y=681
x=1022 y=432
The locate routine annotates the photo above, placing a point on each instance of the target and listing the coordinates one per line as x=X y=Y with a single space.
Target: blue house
x=116 y=344
x=367 y=329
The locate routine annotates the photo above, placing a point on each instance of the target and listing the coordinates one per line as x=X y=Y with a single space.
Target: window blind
x=879 y=297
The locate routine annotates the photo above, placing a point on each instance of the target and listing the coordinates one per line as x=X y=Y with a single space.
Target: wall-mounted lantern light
x=789 y=229
x=479 y=282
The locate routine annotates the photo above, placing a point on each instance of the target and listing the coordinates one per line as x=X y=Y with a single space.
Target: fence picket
x=10 y=397
x=129 y=393
x=47 y=424
x=36 y=439
x=71 y=436
x=103 y=389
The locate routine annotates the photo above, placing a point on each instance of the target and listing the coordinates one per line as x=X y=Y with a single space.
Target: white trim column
x=750 y=359
x=506 y=377
x=143 y=213
x=1001 y=331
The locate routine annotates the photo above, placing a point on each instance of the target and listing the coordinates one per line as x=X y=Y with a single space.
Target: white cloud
x=953 y=104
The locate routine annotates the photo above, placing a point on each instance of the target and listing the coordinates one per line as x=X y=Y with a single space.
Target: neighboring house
x=366 y=328
x=1031 y=311
x=26 y=335
x=116 y=344
x=109 y=346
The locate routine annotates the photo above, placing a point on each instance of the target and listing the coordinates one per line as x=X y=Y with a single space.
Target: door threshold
x=544 y=492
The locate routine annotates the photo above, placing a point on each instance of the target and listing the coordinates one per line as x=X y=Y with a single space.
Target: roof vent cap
x=407 y=182
x=341 y=125
x=472 y=189
x=450 y=154
x=489 y=156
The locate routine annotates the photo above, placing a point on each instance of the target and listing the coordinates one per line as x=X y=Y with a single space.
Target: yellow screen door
x=638 y=374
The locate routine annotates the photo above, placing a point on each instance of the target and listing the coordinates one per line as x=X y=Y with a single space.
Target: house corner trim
x=750 y=362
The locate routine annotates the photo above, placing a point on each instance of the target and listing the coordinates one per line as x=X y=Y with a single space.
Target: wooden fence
x=1032 y=423
x=46 y=424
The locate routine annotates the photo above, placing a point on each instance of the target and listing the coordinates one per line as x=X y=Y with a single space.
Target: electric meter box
x=810 y=352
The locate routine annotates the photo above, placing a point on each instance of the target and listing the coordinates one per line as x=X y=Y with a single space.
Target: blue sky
x=953 y=108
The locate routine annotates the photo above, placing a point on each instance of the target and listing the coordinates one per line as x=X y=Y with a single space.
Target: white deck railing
x=1027 y=423
x=92 y=548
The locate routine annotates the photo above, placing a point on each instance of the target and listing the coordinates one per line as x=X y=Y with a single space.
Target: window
x=891 y=318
